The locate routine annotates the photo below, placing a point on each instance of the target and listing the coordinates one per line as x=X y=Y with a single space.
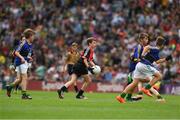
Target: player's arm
x=86 y=62
x=160 y=60
x=164 y=59
x=30 y=57
x=20 y=56
x=17 y=53
x=137 y=54
x=66 y=61
x=92 y=63
x=145 y=50
x=85 y=59
x=90 y=68
x=67 y=57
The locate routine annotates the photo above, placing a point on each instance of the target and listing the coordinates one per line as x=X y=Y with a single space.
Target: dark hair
x=143 y=35
x=90 y=40
x=28 y=33
x=160 y=41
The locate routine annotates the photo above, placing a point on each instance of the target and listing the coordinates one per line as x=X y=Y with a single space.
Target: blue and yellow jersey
x=25 y=50
x=135 y=57
x=151 y=56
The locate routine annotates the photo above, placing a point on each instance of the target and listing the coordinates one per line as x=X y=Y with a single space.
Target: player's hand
x=30 y=59
x=23 y=60
x=91 y=69
x=169 y=57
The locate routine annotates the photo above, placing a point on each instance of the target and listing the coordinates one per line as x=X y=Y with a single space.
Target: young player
x=81 y=68
x=23 y=57
x=145 y=70
x=12 y=66
x=143 y=40
x=72 y=58
x=135 y=58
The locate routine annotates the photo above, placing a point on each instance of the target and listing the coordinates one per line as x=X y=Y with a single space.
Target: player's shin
x=24 y=83
x=73 y=80
x=157 y=77
x=128 y=90
x=87 y=80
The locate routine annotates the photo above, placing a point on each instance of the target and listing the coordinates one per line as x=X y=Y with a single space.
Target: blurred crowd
x=116 y=24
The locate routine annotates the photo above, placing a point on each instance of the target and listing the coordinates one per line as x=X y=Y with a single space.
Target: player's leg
x=75 y=87
x=12 y=85
x=87 y=80
x=157 y=76
x=129 y=96
x=156 y=93
x=16 y=88
x=70 y=72
x=140 y=85
x=127 y=90
x=24 y=87
x=157 y=85
x=66 y=85
x=130 y=79
x=139 y=94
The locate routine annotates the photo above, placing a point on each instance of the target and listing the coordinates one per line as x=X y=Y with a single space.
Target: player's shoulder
x=87 y=48
x=147 y=47
x=153 y=47
x=68 y=54
x=139 y=46
x=22 y=42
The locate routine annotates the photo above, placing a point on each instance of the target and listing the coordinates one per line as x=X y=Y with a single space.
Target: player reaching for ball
x=81 y=68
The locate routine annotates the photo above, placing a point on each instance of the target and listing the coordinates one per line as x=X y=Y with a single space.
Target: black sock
x=64 y=88
x=17 y=86
x=80 y=93
x=76 y=88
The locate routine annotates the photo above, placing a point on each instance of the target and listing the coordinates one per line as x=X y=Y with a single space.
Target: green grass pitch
x=46 y=105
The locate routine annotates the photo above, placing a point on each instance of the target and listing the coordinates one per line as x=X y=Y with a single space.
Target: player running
x=72 y=58
x=22 y=59
x=81 y=68
x=143 y=40
x=135 y=58
x=145 y=69
x=12 y=66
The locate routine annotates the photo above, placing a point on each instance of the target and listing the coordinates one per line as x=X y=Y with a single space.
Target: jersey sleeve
x=86 y=53
x=18 y=49
x=137 y=52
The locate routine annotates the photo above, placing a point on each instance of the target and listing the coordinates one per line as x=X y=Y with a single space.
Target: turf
x=46 y=105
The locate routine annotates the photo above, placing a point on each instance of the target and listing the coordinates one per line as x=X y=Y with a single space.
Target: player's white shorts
x=23 y=68
x=143 y=71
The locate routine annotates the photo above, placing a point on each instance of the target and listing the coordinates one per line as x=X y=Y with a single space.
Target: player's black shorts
x=80 y=69
x=70 y=68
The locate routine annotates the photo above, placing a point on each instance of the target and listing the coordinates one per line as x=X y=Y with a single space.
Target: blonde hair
x=28 y=32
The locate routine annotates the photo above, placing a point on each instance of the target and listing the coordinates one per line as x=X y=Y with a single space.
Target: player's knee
x=73 y=78
x=158 y=76
x=88 y=80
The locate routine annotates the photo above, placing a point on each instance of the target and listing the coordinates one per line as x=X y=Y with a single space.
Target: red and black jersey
x=86 y=54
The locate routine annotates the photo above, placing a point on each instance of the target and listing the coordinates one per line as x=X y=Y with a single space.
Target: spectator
x=60 y=22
